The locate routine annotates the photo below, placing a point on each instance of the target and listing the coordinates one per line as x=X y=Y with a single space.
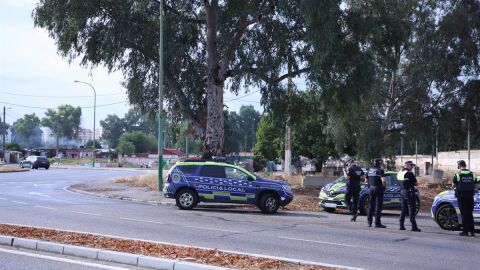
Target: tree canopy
x=26 y=131
x=65 y=120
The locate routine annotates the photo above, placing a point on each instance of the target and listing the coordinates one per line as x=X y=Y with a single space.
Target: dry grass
x=9 y=169
x=148 y=181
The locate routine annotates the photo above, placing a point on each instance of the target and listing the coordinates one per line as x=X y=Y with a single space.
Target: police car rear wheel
x=186 y=199
x=447 y=218
x=269 y=204
x=363 y=206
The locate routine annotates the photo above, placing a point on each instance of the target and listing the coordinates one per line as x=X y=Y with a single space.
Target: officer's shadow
x=256 y=212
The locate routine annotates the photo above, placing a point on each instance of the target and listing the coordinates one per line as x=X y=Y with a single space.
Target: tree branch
x=184 y=104
x=291 y=74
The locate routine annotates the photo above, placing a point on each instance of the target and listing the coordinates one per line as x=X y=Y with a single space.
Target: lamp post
x=94 y=115
x=3 y=132
x=402 y=133
x=468 y=139
x=160 y=99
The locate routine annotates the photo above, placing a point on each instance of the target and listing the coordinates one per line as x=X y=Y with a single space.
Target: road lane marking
x=24 y=203
x=45 y=207
x=63 y=260
x=212 y=229
x=85 y=213
x=319 y=242
x=142 y=220
x=39 y=194
x=3 y=199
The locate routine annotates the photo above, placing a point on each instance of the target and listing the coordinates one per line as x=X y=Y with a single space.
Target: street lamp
x=160 y=98
x=4 y=131
x=94 y=115
x=468 y=139
x=402 y=133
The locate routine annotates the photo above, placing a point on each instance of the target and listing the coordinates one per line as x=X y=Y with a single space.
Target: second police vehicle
x=332 y=195
x=202 y=181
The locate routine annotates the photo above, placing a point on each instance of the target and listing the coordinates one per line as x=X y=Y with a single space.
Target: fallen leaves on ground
x=198 y=255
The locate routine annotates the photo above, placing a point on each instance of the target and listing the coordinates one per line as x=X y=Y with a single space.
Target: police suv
x=204 y=181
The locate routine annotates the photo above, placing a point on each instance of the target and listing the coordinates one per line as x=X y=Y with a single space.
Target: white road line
x=39 y=194
x=45 y=207
x=212 y=229
x=142 y=220
x=3 y=199
x=85 y=213
x=319 y=242
x=63 y=260
x=24 y=203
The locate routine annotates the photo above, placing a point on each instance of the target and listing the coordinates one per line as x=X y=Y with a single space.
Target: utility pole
x=160 y=99
x=436 y=147
x=468 y=142
x=57 y=132
x=3 y=135
x=416 y=156
x=186 y=145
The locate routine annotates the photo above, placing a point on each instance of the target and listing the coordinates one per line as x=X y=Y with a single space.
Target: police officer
x=353 y=174
x=377 y=183
x=406 y=179
x=464 y=183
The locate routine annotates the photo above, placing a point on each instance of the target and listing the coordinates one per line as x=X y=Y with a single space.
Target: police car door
x=476 y=206
x=238 y=185
x=210 y=184
x=392 y=193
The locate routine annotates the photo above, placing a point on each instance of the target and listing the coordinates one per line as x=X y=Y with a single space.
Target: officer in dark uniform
x=406 y=179
x=354 y=175
x=377 y=183
x=464 y=183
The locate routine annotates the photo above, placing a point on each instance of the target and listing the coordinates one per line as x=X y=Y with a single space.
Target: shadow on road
x=255 y=212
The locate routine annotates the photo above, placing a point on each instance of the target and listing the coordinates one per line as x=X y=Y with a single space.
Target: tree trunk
x=214 y=137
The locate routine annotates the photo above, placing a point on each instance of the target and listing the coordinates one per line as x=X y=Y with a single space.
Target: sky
x=33 y=74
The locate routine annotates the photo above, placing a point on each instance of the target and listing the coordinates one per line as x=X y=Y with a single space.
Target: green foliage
x=26 y=131
x=13 y=146
x=113 y=127
x=89 y=144
x=125 y=147
x=240 y=129
x=270 y=142
x=143 y=143
x=65 y=120
x=194 y=144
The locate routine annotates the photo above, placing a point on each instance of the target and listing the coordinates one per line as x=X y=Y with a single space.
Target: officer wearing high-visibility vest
x=406 y=179
x=377 y=186
x=464 y=183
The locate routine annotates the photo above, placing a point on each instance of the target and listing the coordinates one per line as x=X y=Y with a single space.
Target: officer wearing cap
x=406 y=179
x=354 y=175
x=464 y=183
x=377 y=183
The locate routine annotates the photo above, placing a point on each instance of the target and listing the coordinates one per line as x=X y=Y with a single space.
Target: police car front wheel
x=186 y=199
x=269 y=203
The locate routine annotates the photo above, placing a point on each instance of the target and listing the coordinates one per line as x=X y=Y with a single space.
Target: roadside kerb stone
x=195 y=266
x=6 y=240
x=25 y=243
x=156 y=263
x=83 y=252
x=50 y=247
x=118 y=257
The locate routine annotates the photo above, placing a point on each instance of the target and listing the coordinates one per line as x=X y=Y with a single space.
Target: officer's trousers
x=375 y=204
x=465 y=203
x=408 y=203
x=351 y=198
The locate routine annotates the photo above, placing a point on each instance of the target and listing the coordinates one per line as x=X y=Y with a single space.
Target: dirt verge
x=197 y=255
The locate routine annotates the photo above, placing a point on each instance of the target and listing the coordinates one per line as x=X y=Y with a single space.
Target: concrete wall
x=447 y=161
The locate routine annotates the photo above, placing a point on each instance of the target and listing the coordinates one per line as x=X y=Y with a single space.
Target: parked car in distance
x=35 y=162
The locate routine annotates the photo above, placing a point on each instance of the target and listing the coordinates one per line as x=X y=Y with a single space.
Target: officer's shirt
x=375 y=176
x=409 y=182
x=465 y=180
x=355 y=174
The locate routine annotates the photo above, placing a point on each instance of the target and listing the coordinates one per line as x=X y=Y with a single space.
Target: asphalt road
x=38 y=198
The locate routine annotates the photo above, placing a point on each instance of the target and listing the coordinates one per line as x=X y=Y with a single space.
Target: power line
x=233 y=99
x=40 y=96
x=45 y=108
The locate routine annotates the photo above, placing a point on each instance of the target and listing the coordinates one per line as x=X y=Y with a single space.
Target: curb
x=15 y=171
x=104 y=255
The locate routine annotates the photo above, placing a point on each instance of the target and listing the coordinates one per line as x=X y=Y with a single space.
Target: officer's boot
x=402 y=227
x=415 y=228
